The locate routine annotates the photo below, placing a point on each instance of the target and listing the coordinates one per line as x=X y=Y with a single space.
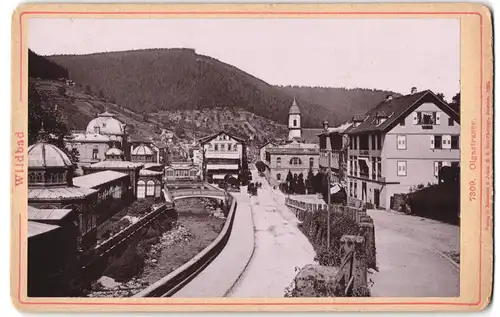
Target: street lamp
x=329 y=153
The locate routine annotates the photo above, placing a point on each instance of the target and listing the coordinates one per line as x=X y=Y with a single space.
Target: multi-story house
x=401 y=142
x=222 y=154
x=333 y=142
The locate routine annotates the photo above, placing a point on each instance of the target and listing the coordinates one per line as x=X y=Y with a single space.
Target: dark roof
x=213 y=136
x=397 y=108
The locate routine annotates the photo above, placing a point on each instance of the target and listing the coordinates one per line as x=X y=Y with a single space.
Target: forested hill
x=152 y=80
x=41 y=67
x=344 y=102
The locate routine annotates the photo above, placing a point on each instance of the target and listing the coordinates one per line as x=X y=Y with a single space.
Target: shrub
x=315 y=228
x=439 y=201
x=124 y=267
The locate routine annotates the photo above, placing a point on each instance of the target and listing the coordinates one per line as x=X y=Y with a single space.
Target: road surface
x=279 y=248
x=412 y=256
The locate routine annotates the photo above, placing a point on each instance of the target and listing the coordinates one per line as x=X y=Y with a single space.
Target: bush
x=127 y=265
x=439 y=202
x=315 y=228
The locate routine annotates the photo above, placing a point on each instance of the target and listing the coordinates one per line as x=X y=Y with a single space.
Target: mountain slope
x=41 y=67
x=344 y=102
x=149 y=81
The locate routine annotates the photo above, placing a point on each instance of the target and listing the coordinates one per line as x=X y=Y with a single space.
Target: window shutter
x=415 y=119
x=438 y=118
x=436 y=168
x=446 y=141
x=432 y=141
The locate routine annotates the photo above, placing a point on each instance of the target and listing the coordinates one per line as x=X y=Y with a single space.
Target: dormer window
x=97 y=129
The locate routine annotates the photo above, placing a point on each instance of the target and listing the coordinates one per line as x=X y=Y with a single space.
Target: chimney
x=413 y=90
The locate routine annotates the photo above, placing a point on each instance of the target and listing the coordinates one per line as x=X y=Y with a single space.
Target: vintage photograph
x=243 y=158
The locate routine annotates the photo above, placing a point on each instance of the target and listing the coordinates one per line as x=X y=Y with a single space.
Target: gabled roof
x=213 y=136
x=265 y=144
x=397 y=108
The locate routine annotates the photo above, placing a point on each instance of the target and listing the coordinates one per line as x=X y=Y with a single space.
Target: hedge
x=439 y=201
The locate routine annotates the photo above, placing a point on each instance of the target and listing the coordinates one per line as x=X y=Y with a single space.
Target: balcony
x=222 y=155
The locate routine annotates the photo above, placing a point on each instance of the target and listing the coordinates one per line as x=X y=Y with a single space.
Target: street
x=413 y=256
x=280 y=246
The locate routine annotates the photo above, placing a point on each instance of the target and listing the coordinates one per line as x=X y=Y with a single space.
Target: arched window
x=295 y=122
x=295 y=161
x=150 y=188
x=278 y=162
x=311 y=162
x=278 y=176
x=141 y=189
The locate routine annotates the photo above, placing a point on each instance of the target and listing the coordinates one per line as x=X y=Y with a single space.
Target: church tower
x=294 y=129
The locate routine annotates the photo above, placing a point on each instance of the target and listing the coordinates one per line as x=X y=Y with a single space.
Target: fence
x=359 y=215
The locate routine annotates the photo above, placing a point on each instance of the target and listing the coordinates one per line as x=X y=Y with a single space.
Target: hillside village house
x=223 y=154
x=400 y=143
x=297 y=155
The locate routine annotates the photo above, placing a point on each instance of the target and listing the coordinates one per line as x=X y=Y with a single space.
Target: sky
x=389 y=54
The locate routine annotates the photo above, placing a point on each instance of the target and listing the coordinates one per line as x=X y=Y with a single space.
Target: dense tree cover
x=42 y=114
x=41 y=67
x=163 y=79
x=344 y=102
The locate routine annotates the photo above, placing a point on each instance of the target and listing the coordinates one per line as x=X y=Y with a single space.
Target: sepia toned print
x=281 y=158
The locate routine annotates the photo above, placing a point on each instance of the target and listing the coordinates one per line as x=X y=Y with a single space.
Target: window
x=455 y=142
x=426 y=118
x=351 y=142
x=350 y=188
x=401 y=142
x=363 y=142
x=295 y=161
x=403 y=122
x=374 y=167
x=455 y=164
x=451 y=122
x=311 y=162
x=229 y=147
x=278 y=162
x=192 y=173
x=95 y=152
x=150 y=188
x=355 y=189
x=216 y=147
x=379 y=142
x=141 y=189
x=278 y=176
x=222 y=147
x=379 y=170
x=438 y=142
x=97 y=129
x=295 y=122
x=437 y=167
x=401 y=168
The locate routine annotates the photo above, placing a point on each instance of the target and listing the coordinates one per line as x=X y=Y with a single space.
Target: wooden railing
x=110 y=244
